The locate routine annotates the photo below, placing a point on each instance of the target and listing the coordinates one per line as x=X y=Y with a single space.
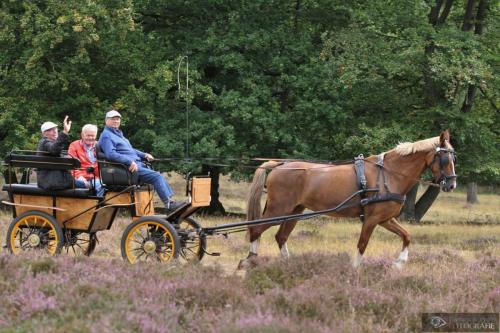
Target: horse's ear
x=445 y=136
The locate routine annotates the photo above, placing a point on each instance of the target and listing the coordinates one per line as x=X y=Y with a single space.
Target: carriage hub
x=149 y=246
x=34 y=240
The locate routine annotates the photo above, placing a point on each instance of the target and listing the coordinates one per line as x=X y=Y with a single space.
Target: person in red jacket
x=85 y=151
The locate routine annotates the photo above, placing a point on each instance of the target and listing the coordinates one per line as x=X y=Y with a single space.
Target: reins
x=325 y=164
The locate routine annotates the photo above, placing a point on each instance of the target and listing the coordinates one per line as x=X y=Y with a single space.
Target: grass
x=453 y=267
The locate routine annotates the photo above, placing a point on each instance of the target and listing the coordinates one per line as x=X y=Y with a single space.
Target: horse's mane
x=407 y=148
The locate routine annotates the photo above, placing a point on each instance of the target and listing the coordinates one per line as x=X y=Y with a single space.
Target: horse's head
x=442 y=163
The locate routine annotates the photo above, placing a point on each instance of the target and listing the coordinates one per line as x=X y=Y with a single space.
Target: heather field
x=454 y=266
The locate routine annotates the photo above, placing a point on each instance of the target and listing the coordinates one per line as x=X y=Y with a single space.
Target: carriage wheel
x=34 y=230
x=78 y=243
x=150 y=238
x=192 y=244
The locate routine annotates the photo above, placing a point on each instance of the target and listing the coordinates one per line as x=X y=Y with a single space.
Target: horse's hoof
x=244 y=264
x=357 y=260
x=398 y=264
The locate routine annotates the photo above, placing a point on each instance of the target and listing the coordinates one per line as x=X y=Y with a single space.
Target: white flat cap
x=113 y=113
x=47 y=125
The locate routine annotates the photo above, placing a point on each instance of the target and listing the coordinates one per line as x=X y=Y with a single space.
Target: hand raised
x=67 y=125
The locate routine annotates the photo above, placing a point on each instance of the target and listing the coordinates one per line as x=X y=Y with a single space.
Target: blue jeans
x=96 y=183
x=154 y=178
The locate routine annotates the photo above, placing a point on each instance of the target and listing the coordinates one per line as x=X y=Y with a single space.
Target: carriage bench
x=33 y=189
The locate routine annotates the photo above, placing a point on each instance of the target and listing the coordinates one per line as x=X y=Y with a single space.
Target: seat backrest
x=114 y=175
x=9 y=175
x=25 y=160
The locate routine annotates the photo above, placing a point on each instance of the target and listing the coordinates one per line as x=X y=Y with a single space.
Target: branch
x=434 y=14
x=490 y=99
x=446 y=12
x=297 y=13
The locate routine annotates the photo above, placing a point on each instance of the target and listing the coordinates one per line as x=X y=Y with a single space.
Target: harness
x=359 y=167
x=443 y=157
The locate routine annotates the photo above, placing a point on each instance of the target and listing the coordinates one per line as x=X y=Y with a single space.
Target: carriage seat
x=33 y=189
x=114 y=176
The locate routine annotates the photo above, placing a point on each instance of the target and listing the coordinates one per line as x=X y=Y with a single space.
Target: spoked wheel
x=192 y=244
x=78 y=243
x=32 y=231
x=150 y=239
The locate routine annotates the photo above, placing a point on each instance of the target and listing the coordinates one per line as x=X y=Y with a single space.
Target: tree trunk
x=481 y=15
x=408 y=211
x=433 y=92
x=216 y=207
x=472 y=193
x=445 y=12
x=469 y=99
x=469 y=15
x=476 y=22
x=425 y=202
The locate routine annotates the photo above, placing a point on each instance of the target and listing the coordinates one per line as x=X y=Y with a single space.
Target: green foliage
x=316 y=79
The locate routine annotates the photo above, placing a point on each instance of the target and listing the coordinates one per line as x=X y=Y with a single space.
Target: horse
x=295 y=186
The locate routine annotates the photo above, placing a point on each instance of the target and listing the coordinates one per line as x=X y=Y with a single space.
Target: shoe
x=172 y=206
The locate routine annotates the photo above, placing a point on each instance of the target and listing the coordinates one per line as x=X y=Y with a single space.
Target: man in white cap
x=54 y=143
x=117 y=148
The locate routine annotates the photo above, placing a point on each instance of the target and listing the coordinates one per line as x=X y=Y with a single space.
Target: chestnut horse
x=295 y=186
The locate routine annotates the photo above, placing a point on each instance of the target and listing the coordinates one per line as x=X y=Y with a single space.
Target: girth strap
x=381 y=197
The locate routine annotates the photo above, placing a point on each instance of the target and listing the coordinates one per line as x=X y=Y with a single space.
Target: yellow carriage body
x=77 y=209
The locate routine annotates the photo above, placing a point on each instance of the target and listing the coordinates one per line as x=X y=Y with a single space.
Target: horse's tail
x=254 y=210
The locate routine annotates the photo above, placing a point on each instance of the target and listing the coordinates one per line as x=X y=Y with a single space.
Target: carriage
x=69 y=220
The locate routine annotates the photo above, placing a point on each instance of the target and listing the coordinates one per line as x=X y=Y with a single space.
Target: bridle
x=442 y=156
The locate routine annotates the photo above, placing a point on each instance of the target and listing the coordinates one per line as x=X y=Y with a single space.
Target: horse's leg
x=254 y=238
x=256 y=231
x=393 y=226
x=284 y=232
x=282 y=236
x=364 y=237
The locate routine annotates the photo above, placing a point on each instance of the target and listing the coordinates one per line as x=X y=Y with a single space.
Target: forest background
x=311 y=79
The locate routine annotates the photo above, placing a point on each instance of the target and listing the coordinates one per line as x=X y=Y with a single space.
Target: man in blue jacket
x=117 y=148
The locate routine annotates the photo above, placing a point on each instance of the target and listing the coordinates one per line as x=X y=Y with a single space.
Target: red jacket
x=77 y=150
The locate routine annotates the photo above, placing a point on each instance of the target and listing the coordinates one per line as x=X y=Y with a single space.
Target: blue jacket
x=117 y=148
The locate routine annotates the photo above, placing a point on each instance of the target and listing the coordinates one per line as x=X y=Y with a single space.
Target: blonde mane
x=407 y=148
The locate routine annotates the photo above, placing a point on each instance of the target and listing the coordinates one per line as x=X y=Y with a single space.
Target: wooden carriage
x=54 y=221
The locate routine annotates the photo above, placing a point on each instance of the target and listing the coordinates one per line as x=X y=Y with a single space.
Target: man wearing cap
x=117 y=148
x=85 y=151
x=53 y=143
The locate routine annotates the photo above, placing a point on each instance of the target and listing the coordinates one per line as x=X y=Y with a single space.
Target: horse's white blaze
x=254 y=246
x=403 y=256
x=357 y=259
x=284 y=251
